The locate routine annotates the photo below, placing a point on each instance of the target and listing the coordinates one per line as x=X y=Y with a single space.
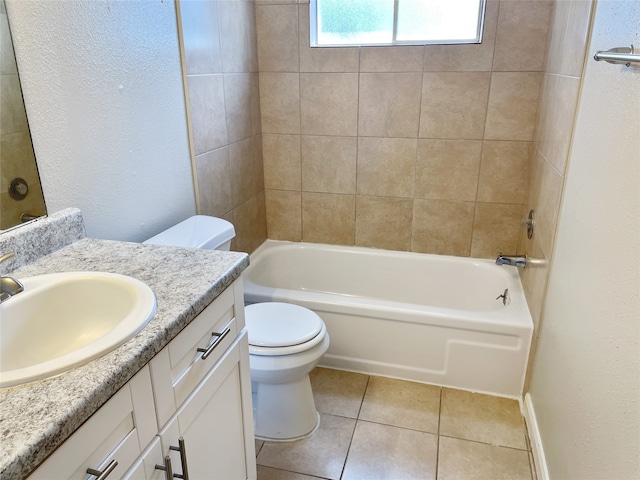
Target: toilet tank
x=199 y=231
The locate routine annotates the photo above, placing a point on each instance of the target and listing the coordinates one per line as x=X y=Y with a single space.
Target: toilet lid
x=275 y=324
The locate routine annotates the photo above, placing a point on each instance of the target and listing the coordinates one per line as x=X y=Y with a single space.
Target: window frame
x=313 y=31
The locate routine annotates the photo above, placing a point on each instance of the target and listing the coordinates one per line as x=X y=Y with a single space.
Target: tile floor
x=380 y=428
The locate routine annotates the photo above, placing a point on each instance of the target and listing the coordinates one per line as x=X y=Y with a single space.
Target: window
x=395 y=22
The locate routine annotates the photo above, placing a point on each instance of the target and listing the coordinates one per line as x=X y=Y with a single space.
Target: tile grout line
x=344 y=465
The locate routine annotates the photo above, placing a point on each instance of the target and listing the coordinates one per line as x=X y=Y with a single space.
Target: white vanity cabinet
x=212 y=426
x=189 y=408
x=111 y=440
x=202 y=388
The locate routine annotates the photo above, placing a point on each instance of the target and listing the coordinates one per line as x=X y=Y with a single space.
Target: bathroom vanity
x=177 y=396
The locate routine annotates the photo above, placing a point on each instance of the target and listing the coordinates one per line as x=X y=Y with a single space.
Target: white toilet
x=285 y=343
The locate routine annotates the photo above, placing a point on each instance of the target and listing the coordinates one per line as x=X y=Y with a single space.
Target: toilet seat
x=277 y=328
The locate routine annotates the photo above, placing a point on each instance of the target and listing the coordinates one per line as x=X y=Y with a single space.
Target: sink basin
x=64 y=320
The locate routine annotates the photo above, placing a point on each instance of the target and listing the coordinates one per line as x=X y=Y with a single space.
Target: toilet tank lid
x=199 y=231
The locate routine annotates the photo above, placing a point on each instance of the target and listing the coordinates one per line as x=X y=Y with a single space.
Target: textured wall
x=408 y=148
x=222 y=71
x=586 y=379
x=104 y=93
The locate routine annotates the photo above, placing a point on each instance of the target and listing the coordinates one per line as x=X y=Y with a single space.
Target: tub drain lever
x=505 y=297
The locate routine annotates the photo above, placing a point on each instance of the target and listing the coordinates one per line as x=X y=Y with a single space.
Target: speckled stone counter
x=37 y=417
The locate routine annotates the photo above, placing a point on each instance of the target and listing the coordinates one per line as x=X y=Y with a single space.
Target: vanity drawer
x=186 y=360
x=110 y=438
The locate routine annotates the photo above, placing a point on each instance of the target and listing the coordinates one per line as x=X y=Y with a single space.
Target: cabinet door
x=212 y=424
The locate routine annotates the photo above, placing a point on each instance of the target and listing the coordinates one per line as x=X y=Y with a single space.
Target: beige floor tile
x=465 y=460
x=259 y=444
x=385 y=452
x=337 y=392
x=267 y=473
x=322 y=454
x=402 y=404
x=483 y=418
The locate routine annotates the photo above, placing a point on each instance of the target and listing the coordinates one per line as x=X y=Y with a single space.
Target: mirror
x=21 y=198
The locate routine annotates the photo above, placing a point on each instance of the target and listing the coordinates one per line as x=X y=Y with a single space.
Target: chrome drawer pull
x=101 y=475
x=183 y=458
x=168 y=471
x=207 y=351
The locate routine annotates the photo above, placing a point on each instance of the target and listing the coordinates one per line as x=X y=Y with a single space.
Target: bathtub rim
x=513 y=318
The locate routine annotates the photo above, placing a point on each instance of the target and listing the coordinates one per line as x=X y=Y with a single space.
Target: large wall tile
x=201 y=36
x=523 y=28
x=442 y=227
x=448 y=169
x=534 y=281
x=513 y=102
x=277 y=31
x=573 y=51
x=466 y=57
x=329 y=103
x=569 y=29
x=559 y=99
x=389 y=104
x=238 y=36
x=214 y=182
x=281 y=158
x=495 y=229
x=328 y=218
x=329 y=164
x=454 y=105
x=386 y=166
x=392 y=59
x=245 y=166
x=249 y=220
x=503 y=173
x=384 y=222
x=548 y=206
x=256 y=113
x=557 y=31
x=280 y=102
x=314 y=59
x=206 y=96
x=284 y=215
x=238 y=108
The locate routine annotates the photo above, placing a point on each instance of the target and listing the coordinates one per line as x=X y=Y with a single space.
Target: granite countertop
x=36 y=418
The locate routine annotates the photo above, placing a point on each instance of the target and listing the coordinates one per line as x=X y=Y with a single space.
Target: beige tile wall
x=556 y=113
x=417 y=148
x=221 y=57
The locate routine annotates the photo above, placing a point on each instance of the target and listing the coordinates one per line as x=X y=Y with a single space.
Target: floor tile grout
x=437 y=434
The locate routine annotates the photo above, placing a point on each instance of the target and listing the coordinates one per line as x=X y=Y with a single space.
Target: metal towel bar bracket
x=618 y=55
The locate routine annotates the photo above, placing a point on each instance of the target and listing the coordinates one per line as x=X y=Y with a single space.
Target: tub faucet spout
x=519 y=261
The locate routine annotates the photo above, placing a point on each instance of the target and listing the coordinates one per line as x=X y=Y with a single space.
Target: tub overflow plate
x=506 y=299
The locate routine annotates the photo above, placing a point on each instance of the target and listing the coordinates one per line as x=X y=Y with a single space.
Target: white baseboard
x=536 y=440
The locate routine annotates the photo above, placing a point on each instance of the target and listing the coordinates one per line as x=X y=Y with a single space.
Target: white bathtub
x=427 y=318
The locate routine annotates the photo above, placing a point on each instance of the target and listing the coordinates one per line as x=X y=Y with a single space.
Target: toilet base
x=284 y=411
x=269 y=439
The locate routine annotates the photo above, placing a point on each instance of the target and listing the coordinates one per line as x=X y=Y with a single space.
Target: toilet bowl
x=285 y=343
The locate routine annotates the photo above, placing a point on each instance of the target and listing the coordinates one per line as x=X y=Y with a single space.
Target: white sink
x=64 y=320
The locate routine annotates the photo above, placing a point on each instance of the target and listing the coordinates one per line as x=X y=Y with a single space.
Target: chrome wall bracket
x=618 y=56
